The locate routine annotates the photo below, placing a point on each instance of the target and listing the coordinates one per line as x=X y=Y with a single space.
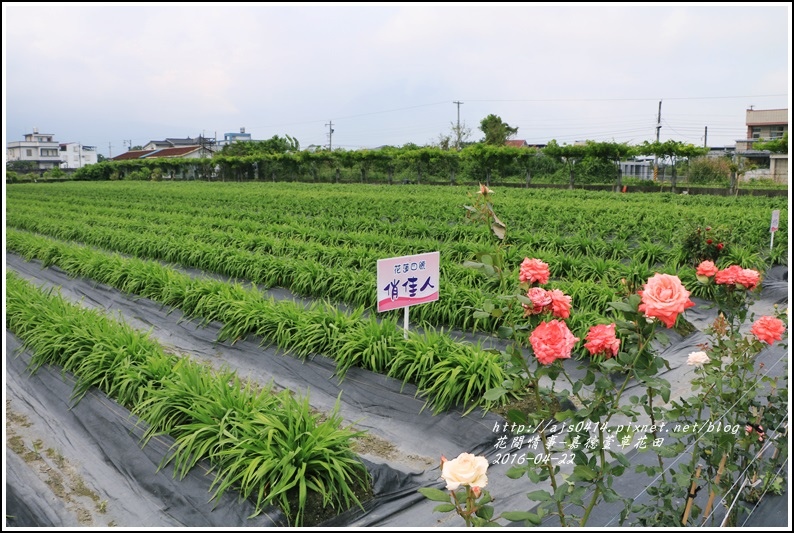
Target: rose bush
x=726 y=391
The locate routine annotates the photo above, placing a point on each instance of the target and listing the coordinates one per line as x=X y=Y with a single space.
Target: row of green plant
x=422 y=212
x=257 y=252
x=269 y=446
x=446 y=373
x=357 y=288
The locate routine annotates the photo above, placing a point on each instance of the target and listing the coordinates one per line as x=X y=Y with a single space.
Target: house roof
x=181 y=142
x=132 y=154
x=177 y=151
x=518 y=143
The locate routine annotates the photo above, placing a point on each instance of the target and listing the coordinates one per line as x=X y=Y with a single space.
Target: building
x=75 y=155
x=763 y=125
x=517 y=143
x=637 y=167
x=39 y=148
x=173 y=142
x=229 y=138
x=190 y=152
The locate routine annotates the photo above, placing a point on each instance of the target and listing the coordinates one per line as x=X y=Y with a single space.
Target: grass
x=268 y=446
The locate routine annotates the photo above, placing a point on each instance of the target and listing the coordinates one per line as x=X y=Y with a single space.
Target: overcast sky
x=388 y=74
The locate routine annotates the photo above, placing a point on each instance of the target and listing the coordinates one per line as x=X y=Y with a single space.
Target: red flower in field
x=709 y=241
x=540 y=299
x=551 y=341
x=664 y=297
x=768 y=329
x=601 y=339
x=560 y=304
x=720 y=246
x=533 y=270
x=728 y=276
x=748 y=278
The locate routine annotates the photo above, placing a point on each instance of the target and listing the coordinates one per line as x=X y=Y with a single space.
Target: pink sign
x=408 y=280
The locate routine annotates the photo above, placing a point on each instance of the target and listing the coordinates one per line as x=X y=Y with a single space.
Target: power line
x=632 y=99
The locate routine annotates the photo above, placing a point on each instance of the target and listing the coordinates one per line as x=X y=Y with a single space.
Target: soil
x=57 y=472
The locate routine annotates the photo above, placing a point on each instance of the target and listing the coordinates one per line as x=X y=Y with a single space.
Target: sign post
x=406 y=281
x=773 y=226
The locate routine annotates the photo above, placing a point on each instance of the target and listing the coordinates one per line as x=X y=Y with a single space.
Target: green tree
x=568 y=154
x=457 y=136
x=23 y=167
x=496 y=130
x=671 y=150
x=274 y=145
x=776 y=146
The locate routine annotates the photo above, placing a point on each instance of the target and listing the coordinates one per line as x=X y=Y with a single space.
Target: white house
x=41 y=148
x=76 y=155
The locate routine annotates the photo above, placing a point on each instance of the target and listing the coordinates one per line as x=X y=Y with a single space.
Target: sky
x=116 y=75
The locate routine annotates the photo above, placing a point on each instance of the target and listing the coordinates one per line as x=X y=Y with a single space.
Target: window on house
x=74 y=148
x=29 y=152
x=776 y=132
x=755 y=132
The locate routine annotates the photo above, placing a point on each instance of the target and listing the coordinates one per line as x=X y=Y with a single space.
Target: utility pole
x=330 y=134
x=706 y=138
x=110 y=151
x=655 y=157
x=457 y=142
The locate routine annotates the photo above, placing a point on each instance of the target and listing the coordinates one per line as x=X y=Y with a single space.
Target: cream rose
x=697 y=359
x=467 y=469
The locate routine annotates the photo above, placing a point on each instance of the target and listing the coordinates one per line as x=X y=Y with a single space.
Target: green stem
x=597 y=491
x=549 y=466
x=640 y=348
x=653 y=425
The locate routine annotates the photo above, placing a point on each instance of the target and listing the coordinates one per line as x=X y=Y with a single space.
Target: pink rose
x=748 y=278
x=707 y=268
x=664 y=297
x=551 y=341
x=540 y=299
x=768 y=329
x=533 y=270
x=728 y=276
x=560 y=304
x=601 y=339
